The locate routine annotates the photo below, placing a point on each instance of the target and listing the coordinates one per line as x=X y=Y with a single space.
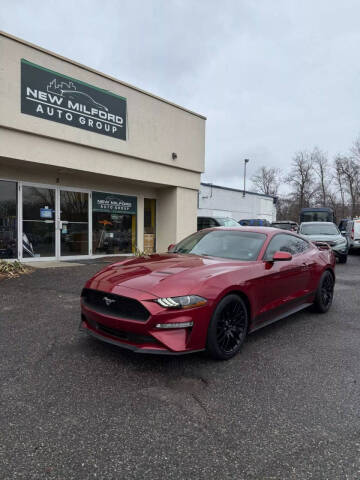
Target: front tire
x=324 y=293
x=228 y=327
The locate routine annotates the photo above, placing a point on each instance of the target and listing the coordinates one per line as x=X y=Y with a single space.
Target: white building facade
x=217 y=201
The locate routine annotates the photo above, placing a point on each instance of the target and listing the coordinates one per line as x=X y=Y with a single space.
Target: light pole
x=246 y=160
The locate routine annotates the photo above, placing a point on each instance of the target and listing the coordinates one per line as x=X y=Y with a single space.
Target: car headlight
x=188 y=301
x=341 y=241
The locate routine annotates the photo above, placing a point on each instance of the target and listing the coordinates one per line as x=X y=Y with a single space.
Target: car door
x=283 y=284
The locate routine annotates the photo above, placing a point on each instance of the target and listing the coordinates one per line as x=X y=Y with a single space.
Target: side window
x=206 y=222
x=285 y=243
x=299 y=245
x=279 y=243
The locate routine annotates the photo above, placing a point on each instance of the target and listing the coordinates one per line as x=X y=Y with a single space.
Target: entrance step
x=52 y=264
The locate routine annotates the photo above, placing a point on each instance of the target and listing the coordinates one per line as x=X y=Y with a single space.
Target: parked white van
x=351 y=228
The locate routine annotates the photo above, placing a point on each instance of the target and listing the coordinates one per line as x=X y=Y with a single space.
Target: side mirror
x=343 y=232
x=282 y=257
x=171 y=247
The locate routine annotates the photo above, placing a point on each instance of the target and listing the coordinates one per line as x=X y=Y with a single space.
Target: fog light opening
x=175 y=325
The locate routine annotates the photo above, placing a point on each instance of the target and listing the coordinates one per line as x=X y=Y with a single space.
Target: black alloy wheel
x=325 y=293
x=228 y=328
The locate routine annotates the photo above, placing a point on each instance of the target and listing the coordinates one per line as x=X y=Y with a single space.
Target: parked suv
x=210 y=222
x=329 y=233
x=351 y=229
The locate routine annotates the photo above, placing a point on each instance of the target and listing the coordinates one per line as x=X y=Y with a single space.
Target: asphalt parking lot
x=286 y=408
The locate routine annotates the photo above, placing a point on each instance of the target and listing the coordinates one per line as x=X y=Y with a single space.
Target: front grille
x=114 y=305
x=114 y=332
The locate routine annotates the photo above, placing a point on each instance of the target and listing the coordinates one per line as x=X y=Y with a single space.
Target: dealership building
x=90 y=165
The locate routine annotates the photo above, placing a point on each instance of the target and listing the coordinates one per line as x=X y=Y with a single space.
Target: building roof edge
x=97 y=72
x=237 y=190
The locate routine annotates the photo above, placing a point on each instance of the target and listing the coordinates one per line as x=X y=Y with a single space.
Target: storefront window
x=114 y=223
x=38 y=222
x=8 y=219
x=149 y=225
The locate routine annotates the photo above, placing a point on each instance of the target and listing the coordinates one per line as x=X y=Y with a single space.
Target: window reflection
x=38 y=222
x=113 y=233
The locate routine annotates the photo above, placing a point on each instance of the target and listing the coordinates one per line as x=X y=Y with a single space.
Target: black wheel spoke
x=231 y=326
x=327 y=290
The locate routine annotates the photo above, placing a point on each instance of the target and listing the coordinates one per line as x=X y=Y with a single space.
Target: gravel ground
x=287 y=407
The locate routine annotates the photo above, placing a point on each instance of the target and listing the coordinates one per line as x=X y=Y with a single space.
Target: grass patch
x=13 y=269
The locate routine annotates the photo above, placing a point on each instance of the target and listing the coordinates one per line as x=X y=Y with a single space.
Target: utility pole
x=246 y=160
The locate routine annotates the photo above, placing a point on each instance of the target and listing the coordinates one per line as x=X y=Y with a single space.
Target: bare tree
x=355 y=151
x=340 y=183
x=301 y=179
x=321 y=167
x=266 y=180
x=349 y=171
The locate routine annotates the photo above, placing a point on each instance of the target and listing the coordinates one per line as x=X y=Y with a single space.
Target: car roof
x=316 y=209
x=317 y=223
x=217 y=218
x=285 y=221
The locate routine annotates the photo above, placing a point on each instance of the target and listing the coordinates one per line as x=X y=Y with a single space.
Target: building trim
x=237 y=190
x=94 y=147
x=96 y=72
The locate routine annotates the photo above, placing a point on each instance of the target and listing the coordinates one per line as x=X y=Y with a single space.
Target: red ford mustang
x=208 y=291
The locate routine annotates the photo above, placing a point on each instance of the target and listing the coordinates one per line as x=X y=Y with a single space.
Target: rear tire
x=228 y=328
x=324 y=293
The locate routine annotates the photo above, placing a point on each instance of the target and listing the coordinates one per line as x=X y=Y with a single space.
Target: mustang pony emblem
x=108 y=301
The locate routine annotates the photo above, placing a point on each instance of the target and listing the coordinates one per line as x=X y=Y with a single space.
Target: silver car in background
x=329 y=233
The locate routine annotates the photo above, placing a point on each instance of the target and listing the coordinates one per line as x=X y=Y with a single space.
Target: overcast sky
x=271 y=76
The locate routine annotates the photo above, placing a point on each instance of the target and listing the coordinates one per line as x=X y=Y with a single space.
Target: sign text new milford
x=113 y=203
x=52 y=96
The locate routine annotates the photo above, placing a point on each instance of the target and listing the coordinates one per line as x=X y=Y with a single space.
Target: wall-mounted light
x=174 y=155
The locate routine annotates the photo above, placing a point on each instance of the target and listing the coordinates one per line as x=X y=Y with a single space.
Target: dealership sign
x=52 y=96
x=112 y=203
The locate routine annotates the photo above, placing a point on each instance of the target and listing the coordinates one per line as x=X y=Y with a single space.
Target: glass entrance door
x=38 y=226
x=74 y=223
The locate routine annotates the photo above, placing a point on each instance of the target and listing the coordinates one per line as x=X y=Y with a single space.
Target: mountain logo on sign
x=69 y=91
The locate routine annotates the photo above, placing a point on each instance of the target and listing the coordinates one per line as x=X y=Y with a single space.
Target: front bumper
x=354 y=244
x=129 y=346
x=143 y=336
x=340 y=250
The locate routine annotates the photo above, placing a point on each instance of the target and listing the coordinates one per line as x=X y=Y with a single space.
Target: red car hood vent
x=162 y=275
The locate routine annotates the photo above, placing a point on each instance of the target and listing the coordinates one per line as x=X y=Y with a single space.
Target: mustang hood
x=164 y=275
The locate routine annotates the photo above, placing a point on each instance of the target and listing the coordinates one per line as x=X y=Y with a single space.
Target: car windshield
x=316 y=216
x=232 y=244
x=319 y=229
x=227 y=222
